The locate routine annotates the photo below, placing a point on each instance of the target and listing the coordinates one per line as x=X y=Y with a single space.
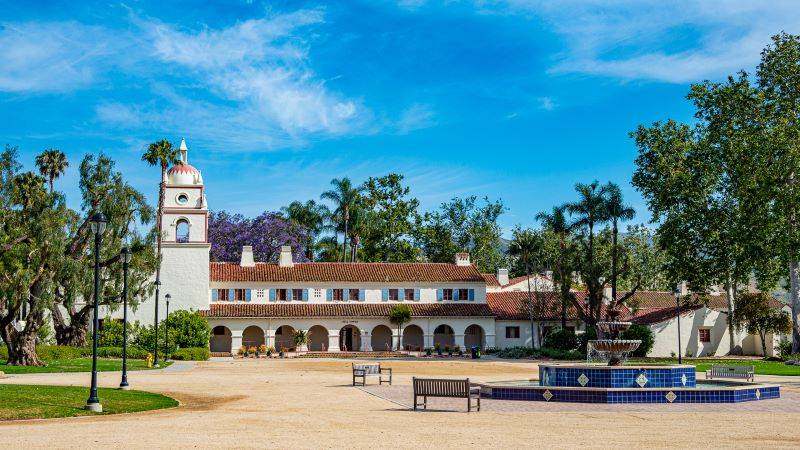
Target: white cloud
x=415 y=117
x=51 y=56
x=546 y=103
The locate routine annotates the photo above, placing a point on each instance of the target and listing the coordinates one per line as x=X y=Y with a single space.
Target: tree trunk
x=731 y=293
x=614 y=232
x=794 y=277
x=763 y=335
x=21 y=345
x=73 y=333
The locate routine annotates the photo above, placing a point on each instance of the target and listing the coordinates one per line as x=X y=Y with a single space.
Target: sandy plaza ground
x=311 y=404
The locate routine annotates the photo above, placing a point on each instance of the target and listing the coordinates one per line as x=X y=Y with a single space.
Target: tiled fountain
x=615 y=382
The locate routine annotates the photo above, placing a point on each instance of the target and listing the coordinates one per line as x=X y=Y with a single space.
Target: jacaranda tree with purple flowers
x=266 y=233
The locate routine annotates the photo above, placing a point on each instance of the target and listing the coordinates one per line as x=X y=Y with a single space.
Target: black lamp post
x=98 y=224
x=126 y=259
x=155 y=356
x=678 y=310
x=166 y=329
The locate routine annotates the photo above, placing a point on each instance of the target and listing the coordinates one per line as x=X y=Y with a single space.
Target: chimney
x=548 y=274
x=502 y=276
x=462 y=259
x=607 y=295
x=247 y=257
x=285 y=260
x=683 y=288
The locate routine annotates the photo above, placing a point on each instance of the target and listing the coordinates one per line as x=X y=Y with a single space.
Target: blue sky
x=517 y=100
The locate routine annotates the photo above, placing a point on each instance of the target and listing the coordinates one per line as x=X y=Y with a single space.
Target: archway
x=381 y=338
x=182 y=230
x=474 y=337
x=318 y=339
x=284 y=338
x=220 y=340
x=253 y=336
x=444 y=336
x=413 y=338
x=350 y=338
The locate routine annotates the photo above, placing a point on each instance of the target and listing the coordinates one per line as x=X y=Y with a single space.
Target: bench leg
x=415 y=402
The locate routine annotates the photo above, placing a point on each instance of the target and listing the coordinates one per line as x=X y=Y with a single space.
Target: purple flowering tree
x=266 y=233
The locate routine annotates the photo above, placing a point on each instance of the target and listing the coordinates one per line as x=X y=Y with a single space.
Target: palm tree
x=311 y=216
x=52 y=163
x=557 y=223
x=328 y=249
x=526 y=246
x=360 y=222
x=616 y=211
x=161 y=154
x=344 y=197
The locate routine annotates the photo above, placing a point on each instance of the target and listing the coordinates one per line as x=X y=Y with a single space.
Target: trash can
x=475 y=352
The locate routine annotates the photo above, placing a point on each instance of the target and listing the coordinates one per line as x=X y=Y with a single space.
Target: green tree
x=344 y=197
x=190 y=329
x=616 y=211
x=311 y=216
x=647 y=261
x=527 y=246
x=51 y=164
x=390 y=213
x=399 y=315
x=561 y=256
x=754 y=313
x=463 y=225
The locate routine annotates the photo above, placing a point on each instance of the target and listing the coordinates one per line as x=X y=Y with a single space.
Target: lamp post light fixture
x=98 y=226
x=155 y=355
x=166 y=329
x=126 y=259
x=678 y=311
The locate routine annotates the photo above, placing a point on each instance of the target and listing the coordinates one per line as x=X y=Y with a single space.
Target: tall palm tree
x=558 y=224
x=161 y=154
x=52 y=163
x=360 y=224
x=616 y=211
x=344 y=197
x=526 y=246
x=311 y=216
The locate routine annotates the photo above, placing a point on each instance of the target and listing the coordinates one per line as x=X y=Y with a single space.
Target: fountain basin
x=613 y=328
x=602 y=376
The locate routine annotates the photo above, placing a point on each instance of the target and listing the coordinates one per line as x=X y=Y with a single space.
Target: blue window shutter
x=305 y=295
x=329 y=294
x=417 y=295
x=346 y=294
x=247 y=294
x=385 y=295
x=289 y=294
x=272 y=295
x=362 y=295
x=401 y=294
x=472 y=295
x=439 y=295
x=231 y=294
x=455 y=294
x=214 y=295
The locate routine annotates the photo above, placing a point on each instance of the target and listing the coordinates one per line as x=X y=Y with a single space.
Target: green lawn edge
x=25 y=401
x=79 y=365
x=762 y=367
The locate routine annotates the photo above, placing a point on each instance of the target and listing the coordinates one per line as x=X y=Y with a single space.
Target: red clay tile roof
x=491 y=279
x=347 y=272
x=511 y=306
x=651 y=307
x=344 y=310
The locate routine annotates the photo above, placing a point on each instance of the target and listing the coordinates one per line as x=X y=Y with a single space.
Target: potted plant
x=253 y=351
x=438 y=349
x=459 y=351
x=448 y=350
x=282 y=352
x=428 y=351
x=243 y=351
x=262 y=350
x=301 y=340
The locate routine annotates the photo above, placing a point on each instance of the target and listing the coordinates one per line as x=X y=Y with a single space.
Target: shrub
x=517 y=353
x=563 y=339
x=116 y=352
x=555 y=353
x=191 y=354
x=111 y=333
x=784 y=348
x=642 y=333
x=585 y=337
x=190 y=329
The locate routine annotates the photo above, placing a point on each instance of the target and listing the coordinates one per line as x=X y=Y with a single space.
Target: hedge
x=51 y=352
x=191 y=354
x=545 y=352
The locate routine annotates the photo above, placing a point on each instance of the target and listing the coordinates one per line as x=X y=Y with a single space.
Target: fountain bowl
x=616 y=345
x=613 y=327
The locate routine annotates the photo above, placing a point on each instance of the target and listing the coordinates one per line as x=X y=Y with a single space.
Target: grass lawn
x=77 y=365
x=762 y=367
x=45 y=402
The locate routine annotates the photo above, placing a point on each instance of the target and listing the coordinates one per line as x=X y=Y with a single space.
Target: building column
x=397 y=341
x=366 y=341
x=269 y=337
x=459 y=342
x=333 y=342
x=490 y=342
x=428 y=341
x=236 y=341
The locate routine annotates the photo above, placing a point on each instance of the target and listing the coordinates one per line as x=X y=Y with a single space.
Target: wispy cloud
x=416 y=117
x=546 y=103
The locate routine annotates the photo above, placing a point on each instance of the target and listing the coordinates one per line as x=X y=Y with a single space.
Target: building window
x=512 y=332
x=297 y=294
x=222 y=295
x=463 y=294
x=338 y=294
x=704 y=334
x=183 y=199
x=182 y=231
x=259 y=293
x=394 y=294
x=410 y=295
x=353 y=294
x=238 y=295
x=447 y=294
x=280 y=294
x=317 y=293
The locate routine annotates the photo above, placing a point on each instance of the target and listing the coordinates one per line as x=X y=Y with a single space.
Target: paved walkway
x=311 y=404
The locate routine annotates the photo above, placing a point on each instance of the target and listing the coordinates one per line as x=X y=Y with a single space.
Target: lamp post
x=98 y=225
x=155 y=356
x=166 y=329
x=126 y=259
x=678 y=310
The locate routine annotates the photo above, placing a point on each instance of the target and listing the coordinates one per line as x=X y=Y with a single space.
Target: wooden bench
x=440 y=387
x=724 y=371
x=370 y=370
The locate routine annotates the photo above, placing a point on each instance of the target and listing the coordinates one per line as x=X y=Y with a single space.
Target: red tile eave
x=346 y=272
x=354 y=309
